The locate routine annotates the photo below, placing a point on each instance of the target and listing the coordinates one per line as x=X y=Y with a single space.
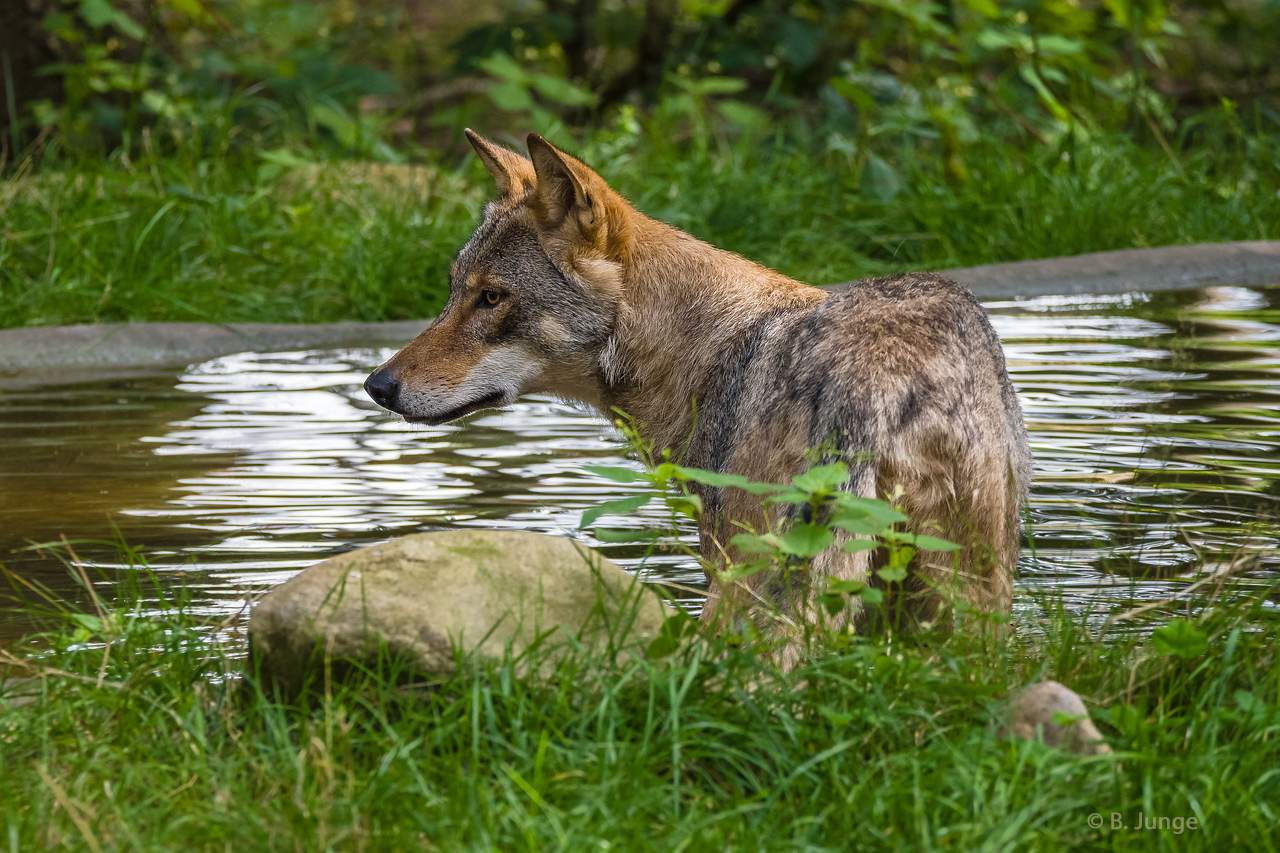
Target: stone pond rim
x=126 y=347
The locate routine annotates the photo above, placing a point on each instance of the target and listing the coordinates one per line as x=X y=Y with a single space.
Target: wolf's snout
x=383 y=387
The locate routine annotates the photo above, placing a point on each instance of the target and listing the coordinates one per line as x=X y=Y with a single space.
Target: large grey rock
x=1030 y=714
x=420 y=596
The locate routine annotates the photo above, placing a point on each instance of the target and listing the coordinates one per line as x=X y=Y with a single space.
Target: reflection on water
x=1155 y=422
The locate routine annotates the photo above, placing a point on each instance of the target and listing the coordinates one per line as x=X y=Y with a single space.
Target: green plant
x=181 y=69
x=808 y=515
x=517 y=91
x=147 y=730
x=222 y=234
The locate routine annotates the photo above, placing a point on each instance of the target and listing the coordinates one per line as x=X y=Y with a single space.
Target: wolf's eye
x=491 y=297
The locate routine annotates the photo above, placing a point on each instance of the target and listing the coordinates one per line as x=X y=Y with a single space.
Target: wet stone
x=1030 y=716
x=18 y=690
x=419 y=598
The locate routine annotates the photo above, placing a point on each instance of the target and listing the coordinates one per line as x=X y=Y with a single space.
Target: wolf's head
x=533 y=296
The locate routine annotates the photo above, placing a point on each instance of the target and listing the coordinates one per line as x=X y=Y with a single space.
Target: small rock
x=1030 y=714
x=15 y=690
x=421 y=595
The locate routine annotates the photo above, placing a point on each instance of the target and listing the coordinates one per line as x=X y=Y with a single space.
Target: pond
x=1154 y=420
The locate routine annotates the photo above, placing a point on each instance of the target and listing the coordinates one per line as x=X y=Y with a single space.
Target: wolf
x=566 y=289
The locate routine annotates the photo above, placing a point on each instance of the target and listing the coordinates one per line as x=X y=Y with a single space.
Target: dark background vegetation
x=345 y=76
x=164 y=156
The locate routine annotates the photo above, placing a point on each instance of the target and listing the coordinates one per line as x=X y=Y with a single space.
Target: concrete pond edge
x=41 y=354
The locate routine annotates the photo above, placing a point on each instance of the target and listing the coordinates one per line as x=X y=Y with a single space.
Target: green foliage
x=622 y=506
x=181 y=138
x=674 y=629
x=281 y=235
x=826 y=140
x=807 y=515
x=519 y=92
x=882 y=78
x=275 y=71
x=142 y=727
x=1180 y=638
x=878 y=79
x=233 y=239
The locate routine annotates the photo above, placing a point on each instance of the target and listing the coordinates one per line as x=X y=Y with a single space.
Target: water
x=1154 y=420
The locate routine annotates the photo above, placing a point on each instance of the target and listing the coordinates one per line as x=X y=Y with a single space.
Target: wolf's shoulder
x=920 y=313
x=906 y=287
x=908 y=299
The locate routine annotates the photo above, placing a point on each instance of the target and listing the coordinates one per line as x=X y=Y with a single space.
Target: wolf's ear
x=583 y=222
x=513 y=172
x=566 y=186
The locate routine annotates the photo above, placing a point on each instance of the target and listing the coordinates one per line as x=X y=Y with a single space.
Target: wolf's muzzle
x=383 y=387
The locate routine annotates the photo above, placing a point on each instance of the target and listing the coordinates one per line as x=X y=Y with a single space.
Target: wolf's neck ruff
x=685 y=304
x=565 y=288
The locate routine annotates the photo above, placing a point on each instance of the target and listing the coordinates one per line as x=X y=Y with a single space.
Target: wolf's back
x=904 y=379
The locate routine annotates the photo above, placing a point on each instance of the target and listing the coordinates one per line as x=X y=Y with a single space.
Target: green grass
x=141 y=732
x=143 y=735
x=225 y=239
x=215 y=241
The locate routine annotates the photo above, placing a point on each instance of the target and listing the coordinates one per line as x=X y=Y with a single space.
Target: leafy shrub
x=349 y=79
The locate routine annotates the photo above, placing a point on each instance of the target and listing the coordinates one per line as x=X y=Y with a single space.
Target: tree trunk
x=645 y=74
x=24 y=50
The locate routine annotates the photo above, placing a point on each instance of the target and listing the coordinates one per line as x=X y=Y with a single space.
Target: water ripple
x=1154 y=419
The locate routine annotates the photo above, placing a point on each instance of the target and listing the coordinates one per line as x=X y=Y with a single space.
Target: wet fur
x=903 y=377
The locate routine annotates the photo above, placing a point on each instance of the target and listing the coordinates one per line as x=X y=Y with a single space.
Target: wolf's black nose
x=383 y=387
